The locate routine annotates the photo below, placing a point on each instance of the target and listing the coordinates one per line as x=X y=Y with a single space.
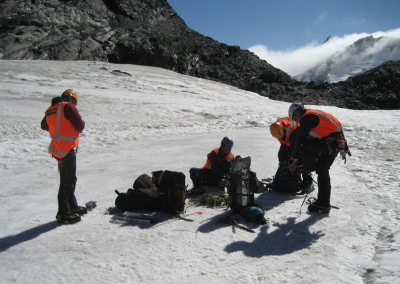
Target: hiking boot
x=315 y=207
x=196 y=191
x=69 y=218
x=80 y=210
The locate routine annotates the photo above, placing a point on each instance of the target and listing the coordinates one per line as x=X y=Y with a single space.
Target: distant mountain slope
x=145 y=32
x=359 y=57
x=149 y=32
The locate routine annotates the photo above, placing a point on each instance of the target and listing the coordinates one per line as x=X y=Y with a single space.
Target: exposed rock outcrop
x=149 y=32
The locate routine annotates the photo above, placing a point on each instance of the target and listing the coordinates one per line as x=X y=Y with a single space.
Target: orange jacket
x=63 y=135
x=289 y=126
x=327 y=125
x=228 y=157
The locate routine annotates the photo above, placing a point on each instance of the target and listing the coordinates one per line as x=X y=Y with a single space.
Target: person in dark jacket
x=285 y=180
x=216 y=168
x=64 y=123
x=315 y=145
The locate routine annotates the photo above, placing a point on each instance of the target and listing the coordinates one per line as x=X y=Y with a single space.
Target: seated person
x=213 y=173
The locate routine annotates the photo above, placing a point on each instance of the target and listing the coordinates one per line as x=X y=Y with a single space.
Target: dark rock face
x=379 y=86
x=145 y=32
x=149 y=32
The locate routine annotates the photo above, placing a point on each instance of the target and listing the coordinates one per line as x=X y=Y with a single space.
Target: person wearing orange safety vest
x=217 y=166
x=284 y=180
x=282 y=129
x=319 y=138
x=64 y=123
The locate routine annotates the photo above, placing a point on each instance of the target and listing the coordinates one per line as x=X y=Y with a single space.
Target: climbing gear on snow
x=218 y=200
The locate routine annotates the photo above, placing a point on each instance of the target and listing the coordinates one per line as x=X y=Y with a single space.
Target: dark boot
x=316 y=206
x=69 y=218
x=79 y=210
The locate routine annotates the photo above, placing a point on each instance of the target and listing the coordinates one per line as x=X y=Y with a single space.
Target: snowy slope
x=155 y=119
x=364 y=54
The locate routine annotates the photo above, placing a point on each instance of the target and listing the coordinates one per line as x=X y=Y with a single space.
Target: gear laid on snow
x=254 y=214
x=218 y=200
x=228 y=220
x=91 y=204
x=196 y=191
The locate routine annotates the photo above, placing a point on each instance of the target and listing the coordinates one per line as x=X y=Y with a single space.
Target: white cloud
x=296 y=61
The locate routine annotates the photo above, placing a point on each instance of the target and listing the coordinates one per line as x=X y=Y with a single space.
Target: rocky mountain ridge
x=149 y=32
x=364 y=54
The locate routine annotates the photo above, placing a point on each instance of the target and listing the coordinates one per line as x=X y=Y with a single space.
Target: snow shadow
x=213 y=223
x=266 y=200
x=285 y=239
x=30 y=234
x=269 y=200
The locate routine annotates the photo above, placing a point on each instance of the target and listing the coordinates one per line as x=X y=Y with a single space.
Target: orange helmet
x=69 y=94
x=277 y=130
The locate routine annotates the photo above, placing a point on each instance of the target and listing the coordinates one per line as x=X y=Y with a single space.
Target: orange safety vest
x=228 y=157
x=63 y=135
x=289 y=126
x=327 y=125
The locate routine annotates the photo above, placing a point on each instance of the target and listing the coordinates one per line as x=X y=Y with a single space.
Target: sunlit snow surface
x=141 y=119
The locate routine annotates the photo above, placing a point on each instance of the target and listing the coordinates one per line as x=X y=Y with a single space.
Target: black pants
x=283 y=155
x=324 y=155
x=66 y=191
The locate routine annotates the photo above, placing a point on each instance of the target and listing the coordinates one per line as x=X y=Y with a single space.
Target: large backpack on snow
x=164 y=191
x=243 y=183
x=286 y=181
x=172 y=185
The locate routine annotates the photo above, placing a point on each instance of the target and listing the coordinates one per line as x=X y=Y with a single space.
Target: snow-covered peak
x=364 y=54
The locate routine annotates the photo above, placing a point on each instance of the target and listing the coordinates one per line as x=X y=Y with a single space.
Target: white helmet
x=293 y=107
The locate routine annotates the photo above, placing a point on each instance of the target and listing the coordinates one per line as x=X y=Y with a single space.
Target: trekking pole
x=304 y=200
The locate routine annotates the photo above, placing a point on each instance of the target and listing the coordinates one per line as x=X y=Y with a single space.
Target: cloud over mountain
x=297 y=61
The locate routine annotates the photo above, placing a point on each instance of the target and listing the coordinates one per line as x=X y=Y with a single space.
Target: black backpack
x=143 y=196
x=243 y=183
x=164 y=191
x=172 y=185
x=286 y=181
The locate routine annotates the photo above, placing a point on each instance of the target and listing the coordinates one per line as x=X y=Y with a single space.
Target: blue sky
x=289 y=33
x=286 y=24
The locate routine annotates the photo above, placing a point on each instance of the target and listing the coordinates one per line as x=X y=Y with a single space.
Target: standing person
x=320 y=135
x=64 y=123
x=285 y=181
x=215 y=169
